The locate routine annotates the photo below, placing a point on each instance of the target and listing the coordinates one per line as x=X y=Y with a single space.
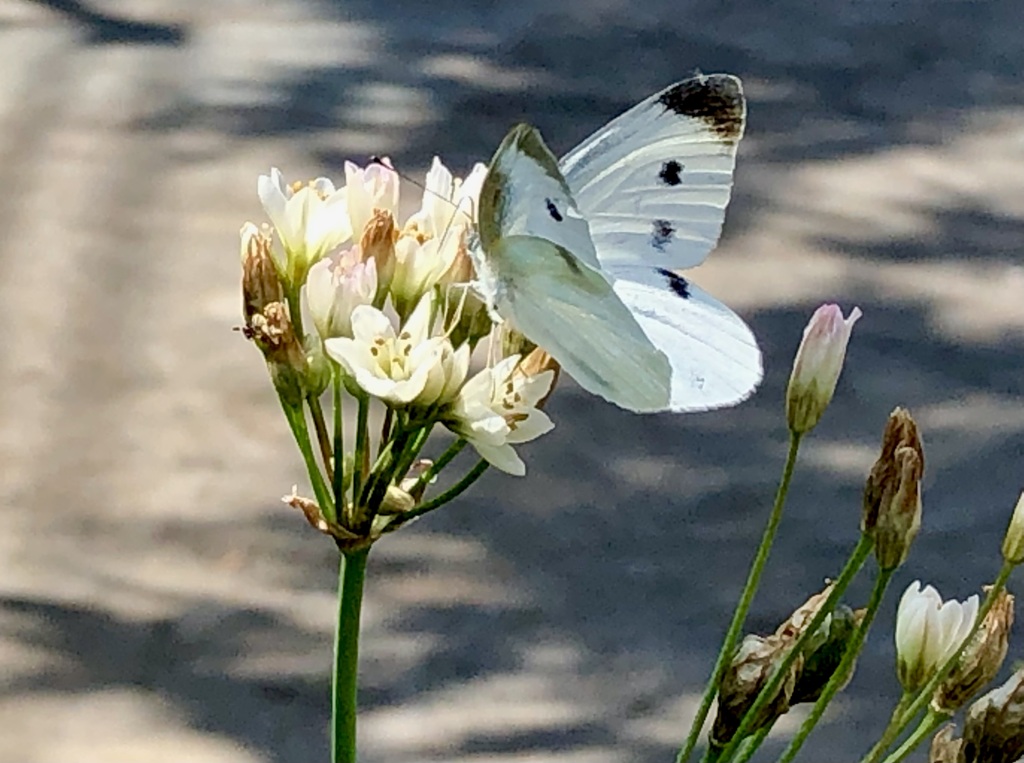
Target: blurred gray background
x=158 y=603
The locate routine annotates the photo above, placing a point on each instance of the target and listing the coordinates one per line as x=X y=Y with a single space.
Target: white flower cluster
x=391 y=304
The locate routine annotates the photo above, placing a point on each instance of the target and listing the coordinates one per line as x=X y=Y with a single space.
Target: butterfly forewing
x=654 y=182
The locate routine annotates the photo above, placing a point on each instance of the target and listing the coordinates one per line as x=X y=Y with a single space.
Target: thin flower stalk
x=746 y=597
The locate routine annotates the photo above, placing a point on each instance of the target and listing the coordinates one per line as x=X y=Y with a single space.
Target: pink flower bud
x=817 y=366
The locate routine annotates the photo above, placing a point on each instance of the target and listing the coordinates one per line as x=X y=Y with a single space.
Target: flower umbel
x=928 y=632
x=817 y=366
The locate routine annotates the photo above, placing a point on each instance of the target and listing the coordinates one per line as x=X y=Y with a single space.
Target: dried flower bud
x=260 y=282
x=981 y=659
x=378 y=243
x=994 y=728
x=818 y=363
x=892 y=496
x=746 y=676
x=271 y=331
x=1013 y=542
x=823 y=659
x=945 y=749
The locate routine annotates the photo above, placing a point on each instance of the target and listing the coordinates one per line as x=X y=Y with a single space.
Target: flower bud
x=892 y=495
x=817 y=366
x=748 y=673
x=378 y=244
x=318 y=366
x=928 y=632
x=396 y=501
x=1013 y=542
x=994 y=728
x=271 y=331
x=981 y=659
x=260 y=282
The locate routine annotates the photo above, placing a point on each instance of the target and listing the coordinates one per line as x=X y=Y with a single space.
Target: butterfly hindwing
x=538 y=269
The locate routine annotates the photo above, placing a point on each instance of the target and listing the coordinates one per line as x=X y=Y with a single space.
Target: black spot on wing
x=553 y=211
x=661 y=234
x=676 y=283
x=670 y=172
x=716 y=100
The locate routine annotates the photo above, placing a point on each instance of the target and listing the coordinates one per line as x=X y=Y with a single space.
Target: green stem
x=339 y=443
x=924 y=729
x=359 y=464
x=448 y=495
x=297 y=421
x=446 y=458
x=322 y=436
x=897 y=720
x=860 y=554
x=749 y=589
x=842 y=673
x=750 y=745
x=351 y=576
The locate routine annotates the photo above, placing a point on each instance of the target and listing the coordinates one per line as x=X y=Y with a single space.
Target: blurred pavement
x=158 y=603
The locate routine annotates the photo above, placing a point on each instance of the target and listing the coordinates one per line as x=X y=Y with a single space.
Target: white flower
x=432 y=238
x=497 y=409
x=819 y=360
x=929 y=632
x=369 y=189
x=311 y=220
x=335 y=286
x=404 y=368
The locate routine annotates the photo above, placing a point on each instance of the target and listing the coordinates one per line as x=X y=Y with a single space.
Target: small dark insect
x=676 y=283
x=553 y=211
x=661 y=233
x=670 y=171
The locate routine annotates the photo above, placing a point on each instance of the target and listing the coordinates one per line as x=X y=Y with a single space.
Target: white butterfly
x=580 y=254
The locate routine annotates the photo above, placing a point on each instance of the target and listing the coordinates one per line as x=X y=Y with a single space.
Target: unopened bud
x=1013 y=542
x=396 y=501
x=378 y=244
x=981 y=659
x=994 y=728
x=818 y=363
x=892 y=495
x=945 y=749
x=318 y=366
x=748 y=673
x=261 y=284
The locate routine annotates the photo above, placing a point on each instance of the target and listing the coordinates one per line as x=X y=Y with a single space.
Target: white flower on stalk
x=432 y=238
x=368 y=189
x=497 y=409
x=335 y=286
x=817 y=366
x=928 y=632
x=405 y=368
x=311 y=219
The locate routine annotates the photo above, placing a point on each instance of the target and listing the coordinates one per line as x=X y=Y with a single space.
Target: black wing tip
x=715 y=99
